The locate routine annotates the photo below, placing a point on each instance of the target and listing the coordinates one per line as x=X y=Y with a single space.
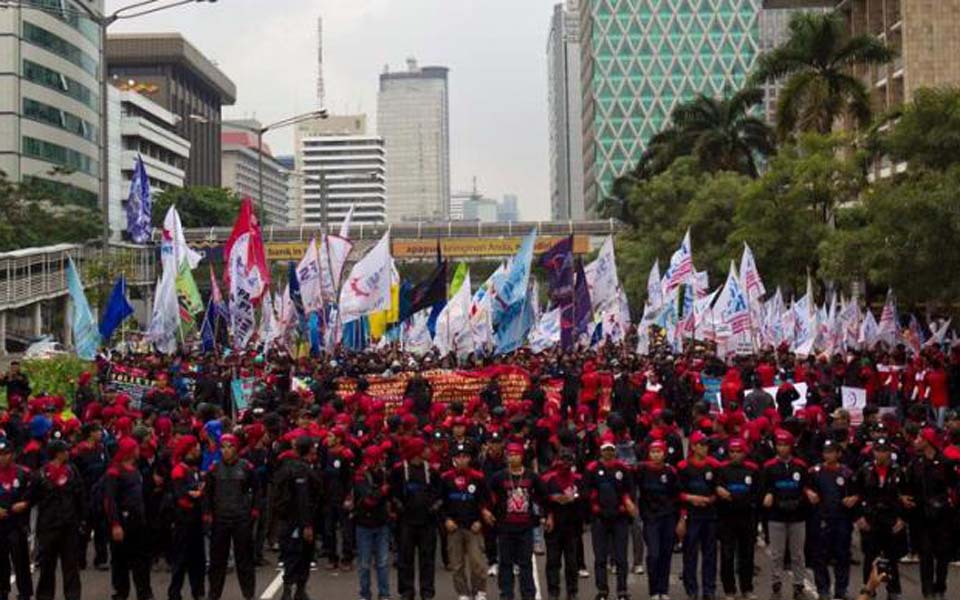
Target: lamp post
x=259 y=131
x=131 y=11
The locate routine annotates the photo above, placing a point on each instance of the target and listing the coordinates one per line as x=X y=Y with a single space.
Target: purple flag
x=583 y=313
x=558 y=263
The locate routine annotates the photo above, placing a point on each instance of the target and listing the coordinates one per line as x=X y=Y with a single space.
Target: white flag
x=546 y=333
x=453 y=324
x=733 y=317
x=367 y=288
x=681 y=265
x=416 y=333
x=938 y=335
x=334 y=251
x=654 y=286
x=888 y=330
x=345 y=226
x=750 y=276
x=868 y=331
x=165 y=319
x=173 y=247
x=309 y=274
x=269 y=326
x=245 y=285
x=602 y=281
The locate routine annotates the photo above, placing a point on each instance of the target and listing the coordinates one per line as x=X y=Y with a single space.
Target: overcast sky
x=495 y=49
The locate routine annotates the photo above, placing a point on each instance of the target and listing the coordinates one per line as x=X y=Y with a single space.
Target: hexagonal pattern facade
x=650 y=55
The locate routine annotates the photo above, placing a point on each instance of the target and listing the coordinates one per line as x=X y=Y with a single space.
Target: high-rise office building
x=564 y=102
x=508 y=209
x=294 y=190
x=640 y=58
x=172 y=72
x=339 y=166
x=241 y=166
x=413 y=118
x=775 y=17
x=50 y=96
x=141 y=128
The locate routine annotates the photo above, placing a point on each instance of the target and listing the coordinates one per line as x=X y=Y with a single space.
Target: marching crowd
x=627 y=448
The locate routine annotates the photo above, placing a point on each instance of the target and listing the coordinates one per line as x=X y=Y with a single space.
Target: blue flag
x=316 y=341
x=86 y=338
x=208 y=334
x=118 y=309
x=512 y=288
x=514 y=327
x=295 y=296
x=139 y=205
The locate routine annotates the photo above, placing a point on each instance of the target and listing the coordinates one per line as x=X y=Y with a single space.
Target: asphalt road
x=343 y=586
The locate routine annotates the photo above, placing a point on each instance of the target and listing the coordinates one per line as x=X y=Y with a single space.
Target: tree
x=927 y=134
x=198 y=206
x=906 y=242
x=720 y=133
x=34 y=217
x=817 y=60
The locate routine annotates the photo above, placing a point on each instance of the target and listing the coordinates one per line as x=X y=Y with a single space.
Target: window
x=42 y=38
x=53 y=116
x=58 y=155
x=49 y=78
x=71 y=16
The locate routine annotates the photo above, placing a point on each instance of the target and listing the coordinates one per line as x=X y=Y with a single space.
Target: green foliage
x=927 y=134
x=33 y=216
x=815 y=64
x=56 y=376
x=907 y=239
x=198 y=206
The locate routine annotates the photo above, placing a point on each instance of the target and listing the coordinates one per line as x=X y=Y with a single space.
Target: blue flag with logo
x=515 y=326
x=117 y=310
x=512 y=288
x=139 y=205
x=86 y=338
x=208 y=336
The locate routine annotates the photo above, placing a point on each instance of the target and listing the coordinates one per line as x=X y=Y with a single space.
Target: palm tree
x=720 y=133
x=818 y=61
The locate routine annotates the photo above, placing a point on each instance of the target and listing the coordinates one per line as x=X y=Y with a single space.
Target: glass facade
x=40 y=37
x=58 y=155
x=54 y=80
x=71 y=16
x=647 y=56
x=55 y=117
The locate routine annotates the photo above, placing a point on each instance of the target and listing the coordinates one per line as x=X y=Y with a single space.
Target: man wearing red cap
x=415 y=489
x=188 y=556
x=127 y=515
x=515 y=493
x=787 y=498
x=231 y=487
x=371 y=495
x=929 y=480
x=609 y=487
x=697 y=482
x=296 y=489
x=738 y=487
x=564 y=527
x=833 y=482
x=338 y=462
x=657 y=495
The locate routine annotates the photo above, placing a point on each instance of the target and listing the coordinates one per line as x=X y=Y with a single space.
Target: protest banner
x=854 y=401
x=131 y=381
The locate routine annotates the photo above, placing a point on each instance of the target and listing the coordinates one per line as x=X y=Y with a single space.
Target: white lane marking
x=536 y=577
x=273 y=588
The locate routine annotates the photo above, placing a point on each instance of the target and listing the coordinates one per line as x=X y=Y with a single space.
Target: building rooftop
x=154 y=48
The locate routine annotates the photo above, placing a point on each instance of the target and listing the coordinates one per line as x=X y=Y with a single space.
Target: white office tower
x=413 y=120
x=339 y=166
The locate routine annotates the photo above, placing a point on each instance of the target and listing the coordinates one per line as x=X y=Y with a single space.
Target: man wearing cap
x=14 y=516
x=833 y=482
x=883 y=530
x=91 y=459
x=371 y=495
x=493 y=460
x=337 y=467
x=609 y=487
x=415 y=489
x=787 y=498
x=564 y=527
x=297 y=492
x=738 y=488
x=231 y=486
x=187 y=548
x=60 y=498
x=929 y=480
x=657 y=494
x=464 y=497
x=515 y=493
x=126 y=514
x=697 y=528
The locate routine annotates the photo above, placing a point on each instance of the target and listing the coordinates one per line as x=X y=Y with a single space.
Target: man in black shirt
x=415 y=489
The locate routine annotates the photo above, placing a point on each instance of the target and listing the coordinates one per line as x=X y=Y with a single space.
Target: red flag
x=247 y=223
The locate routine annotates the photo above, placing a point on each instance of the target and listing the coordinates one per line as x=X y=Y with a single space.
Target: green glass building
x=640 y=59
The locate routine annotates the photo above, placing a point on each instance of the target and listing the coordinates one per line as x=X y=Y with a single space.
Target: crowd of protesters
x=342 y=481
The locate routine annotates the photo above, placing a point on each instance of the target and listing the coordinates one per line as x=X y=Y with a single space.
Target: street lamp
x=131 y=11
x=316 y=114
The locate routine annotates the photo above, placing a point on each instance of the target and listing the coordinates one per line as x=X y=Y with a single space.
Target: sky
x=495 y=49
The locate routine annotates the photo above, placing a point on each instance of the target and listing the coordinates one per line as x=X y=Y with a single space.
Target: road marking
x=273 y=588
x=536 y=577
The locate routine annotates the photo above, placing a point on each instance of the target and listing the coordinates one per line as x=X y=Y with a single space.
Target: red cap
x=229 y=438
x=782 y=436
x=929 y=435
x=373 y=454
x=737 y=445
x=413 y=447
x=608 y=440
x=698 y=437
x=658 y=445
x=514 y=448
